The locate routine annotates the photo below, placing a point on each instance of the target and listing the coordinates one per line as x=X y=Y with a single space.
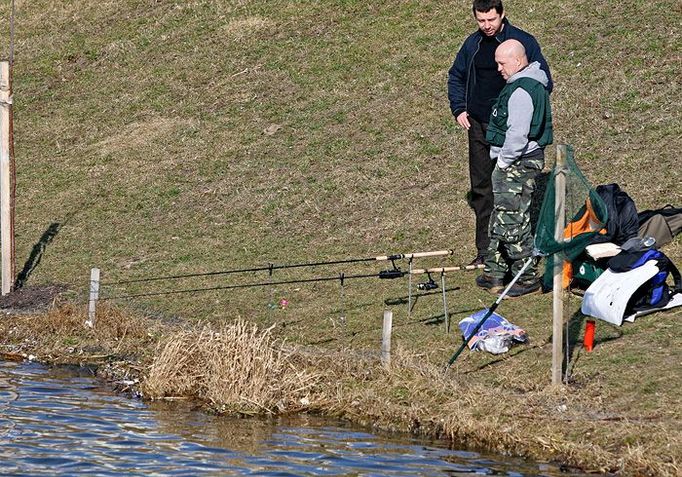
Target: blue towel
x=495 y=336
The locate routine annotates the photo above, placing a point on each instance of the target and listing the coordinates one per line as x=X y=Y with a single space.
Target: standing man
x=519 y=128
x=473 y=86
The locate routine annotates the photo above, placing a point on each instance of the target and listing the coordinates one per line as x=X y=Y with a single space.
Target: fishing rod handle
x=408 y=256
x=420 y=271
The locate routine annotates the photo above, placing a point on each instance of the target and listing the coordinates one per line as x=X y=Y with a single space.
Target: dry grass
x=561 y=424
x=137 y=136
x=235 y=367
x=60 y=335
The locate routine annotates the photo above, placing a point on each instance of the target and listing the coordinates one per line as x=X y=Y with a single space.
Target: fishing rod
x=383 y=275
x=271 y=267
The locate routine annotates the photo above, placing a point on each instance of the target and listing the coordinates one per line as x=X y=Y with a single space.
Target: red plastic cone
x=588 y=340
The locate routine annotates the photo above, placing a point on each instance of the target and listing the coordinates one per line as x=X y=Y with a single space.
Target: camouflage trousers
x=511 y=240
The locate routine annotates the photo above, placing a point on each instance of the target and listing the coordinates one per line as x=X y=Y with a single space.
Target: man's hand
x=463 y=120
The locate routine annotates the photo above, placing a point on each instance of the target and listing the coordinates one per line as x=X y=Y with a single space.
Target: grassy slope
x=139 y=128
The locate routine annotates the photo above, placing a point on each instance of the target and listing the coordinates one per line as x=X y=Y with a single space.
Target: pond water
x=63 y=421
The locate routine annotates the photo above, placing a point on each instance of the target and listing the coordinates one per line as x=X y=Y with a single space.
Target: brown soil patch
x=31 y=299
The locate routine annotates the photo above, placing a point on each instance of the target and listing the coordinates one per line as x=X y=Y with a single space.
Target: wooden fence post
x=6 y=239
x=94 y=295
x=557 y=285
x=386 y=338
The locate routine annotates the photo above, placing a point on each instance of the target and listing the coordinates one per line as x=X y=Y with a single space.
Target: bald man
x=473 y=85
x=519 y=128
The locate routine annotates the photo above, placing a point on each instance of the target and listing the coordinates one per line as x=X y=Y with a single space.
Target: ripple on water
x=57 y=421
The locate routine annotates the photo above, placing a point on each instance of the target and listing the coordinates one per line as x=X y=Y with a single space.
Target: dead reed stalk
x=236 y=368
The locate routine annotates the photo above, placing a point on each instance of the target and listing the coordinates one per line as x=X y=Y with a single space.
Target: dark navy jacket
x=462 y=74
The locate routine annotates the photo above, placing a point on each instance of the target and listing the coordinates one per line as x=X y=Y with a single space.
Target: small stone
x=272 y=129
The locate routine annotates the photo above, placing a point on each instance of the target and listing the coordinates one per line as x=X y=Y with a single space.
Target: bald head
x=510 y=57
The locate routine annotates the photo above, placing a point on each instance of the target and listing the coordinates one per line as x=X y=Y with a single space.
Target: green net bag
x=564 y=236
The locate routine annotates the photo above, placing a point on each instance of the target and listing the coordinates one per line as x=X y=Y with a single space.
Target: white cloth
x=607 y=296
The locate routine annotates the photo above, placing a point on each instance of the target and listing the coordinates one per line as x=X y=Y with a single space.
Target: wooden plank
x=94 y=296
x=557 y=286
x=386 y=338
x=6 y=238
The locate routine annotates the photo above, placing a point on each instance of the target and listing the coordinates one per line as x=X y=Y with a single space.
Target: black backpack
x=623 y=222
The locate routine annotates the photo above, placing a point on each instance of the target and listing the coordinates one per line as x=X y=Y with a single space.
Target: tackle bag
x=586 y=270
x=623 y=221
x=634 y=284
x=663 y=224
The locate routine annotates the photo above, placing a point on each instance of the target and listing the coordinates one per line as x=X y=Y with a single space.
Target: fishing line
x=269 y=268
x=245 y=285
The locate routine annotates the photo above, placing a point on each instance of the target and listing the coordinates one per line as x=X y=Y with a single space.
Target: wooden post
x=94 y=295
x=557 y=287
x=386 y=338
x=6 y=239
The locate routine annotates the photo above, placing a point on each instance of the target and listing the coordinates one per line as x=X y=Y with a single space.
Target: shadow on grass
x=575 y=333
x=438 y=319
x=520 y=349
x=574 y=341
x=429 y=321
x=404 y=300
x=573 y=344
x=37 y=254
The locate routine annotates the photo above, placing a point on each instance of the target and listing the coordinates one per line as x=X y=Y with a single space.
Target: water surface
x=63 y=421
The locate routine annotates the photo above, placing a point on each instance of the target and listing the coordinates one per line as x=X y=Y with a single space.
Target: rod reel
x=427 y=285
x=394 y=272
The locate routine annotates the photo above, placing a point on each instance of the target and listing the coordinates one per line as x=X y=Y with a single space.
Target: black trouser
x=481 y=194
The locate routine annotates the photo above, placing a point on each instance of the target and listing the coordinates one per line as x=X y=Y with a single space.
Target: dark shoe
x=490 y=283
x=478 y=261
x=523 y=288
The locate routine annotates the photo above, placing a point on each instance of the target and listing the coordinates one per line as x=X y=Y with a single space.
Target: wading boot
x=490 y=283
x=523 y=288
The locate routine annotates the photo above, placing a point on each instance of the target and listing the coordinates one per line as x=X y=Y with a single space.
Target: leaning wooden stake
x=6 y=239
x=386 y=338
x=557 y=286
x=94 y=295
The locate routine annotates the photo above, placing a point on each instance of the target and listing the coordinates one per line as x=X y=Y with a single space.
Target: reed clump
x=60 y=334
x=235 y=368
